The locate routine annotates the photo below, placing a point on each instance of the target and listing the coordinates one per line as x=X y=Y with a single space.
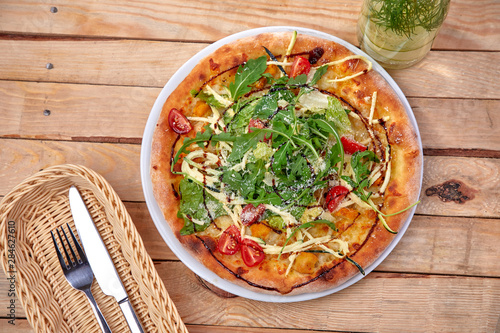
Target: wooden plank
x=123 y=62
x=451 y=124
x=432 y=76
x=119 y=164
x=379 y=302
x=119 y=114
x=447 y=245
x=20 y=326
x=432 y=245
x=77 y=112
x=456 y=186
x=23 y=326
x=115 y=62
x=466 y=27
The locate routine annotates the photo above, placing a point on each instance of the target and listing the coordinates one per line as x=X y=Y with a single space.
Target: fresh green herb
x=360 y=162
x=320 y=71
x=209 y=99
x=246 y=75
x=245 y=183
x=330 y=128
x=403 y=17
x=197 y=205
x=200 y=139
x=243 y=143
x=299 y=80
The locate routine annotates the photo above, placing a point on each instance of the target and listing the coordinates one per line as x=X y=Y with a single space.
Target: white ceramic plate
x=157 y=215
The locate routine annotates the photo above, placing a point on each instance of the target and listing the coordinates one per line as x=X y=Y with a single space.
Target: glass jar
x=399 y=33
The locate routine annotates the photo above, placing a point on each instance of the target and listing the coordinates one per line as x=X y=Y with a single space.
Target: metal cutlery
x=77 y=270
x=100 y=260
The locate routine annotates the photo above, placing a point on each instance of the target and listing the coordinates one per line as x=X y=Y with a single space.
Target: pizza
x=284 y=163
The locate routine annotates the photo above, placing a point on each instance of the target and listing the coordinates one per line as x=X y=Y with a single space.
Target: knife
x=99 y=259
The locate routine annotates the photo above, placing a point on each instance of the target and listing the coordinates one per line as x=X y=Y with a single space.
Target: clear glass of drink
x=399 y=33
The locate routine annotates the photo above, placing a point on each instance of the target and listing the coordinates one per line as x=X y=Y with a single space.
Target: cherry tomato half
x=257 y=123
x=300 y=65
x=351 y=146
x=251 y=252
x=335 y=195
x=178 y=122
x=251 y=214
x=229 y=242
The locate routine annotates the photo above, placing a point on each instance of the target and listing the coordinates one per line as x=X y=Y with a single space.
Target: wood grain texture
x=119 y=114
x=468 y=25
x=451 y=75
x=22 y=326
x=379 y=302
x=103 y=113
x=449 y=124
x=116 y=62
x=112 y=62
x=119 y=164
x=98 y=67
x=436 y=245
x=482 y=175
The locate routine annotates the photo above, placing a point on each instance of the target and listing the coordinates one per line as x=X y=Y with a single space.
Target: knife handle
x=130 y=316
x=100 y=318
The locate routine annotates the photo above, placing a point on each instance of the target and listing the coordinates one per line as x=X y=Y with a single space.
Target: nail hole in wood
x=53 y=10
x=46 y=112
x=49 y=66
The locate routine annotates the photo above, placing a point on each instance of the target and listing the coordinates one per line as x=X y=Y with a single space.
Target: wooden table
x=78 y=80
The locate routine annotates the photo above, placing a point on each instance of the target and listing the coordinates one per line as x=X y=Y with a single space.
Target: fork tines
x=73 y=260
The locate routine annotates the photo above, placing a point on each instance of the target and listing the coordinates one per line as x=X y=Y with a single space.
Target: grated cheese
x=372 y=109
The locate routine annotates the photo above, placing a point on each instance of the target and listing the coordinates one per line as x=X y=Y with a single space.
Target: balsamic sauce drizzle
x=230 y=271
x=314 y=56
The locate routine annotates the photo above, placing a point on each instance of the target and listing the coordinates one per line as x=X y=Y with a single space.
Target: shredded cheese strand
x=291 y=45
x=372 y=109
x=333 y=63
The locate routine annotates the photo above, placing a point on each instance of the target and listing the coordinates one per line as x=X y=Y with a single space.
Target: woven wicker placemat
x=40 y=204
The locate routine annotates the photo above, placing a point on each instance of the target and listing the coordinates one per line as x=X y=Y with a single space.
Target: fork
x=78 y=271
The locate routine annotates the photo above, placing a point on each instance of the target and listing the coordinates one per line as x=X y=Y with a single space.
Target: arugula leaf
x=197 y=204
x=200 y=138
x=360 y=169
x=267 y=106
x=330 y=128
x=209 y=99
x=247 y=75
x=244 y=143
x=264 y=196
x=318 y=74
x=241 y=119
x=299 y=80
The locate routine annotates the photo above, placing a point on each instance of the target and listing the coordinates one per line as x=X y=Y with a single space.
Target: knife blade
x=99 y=259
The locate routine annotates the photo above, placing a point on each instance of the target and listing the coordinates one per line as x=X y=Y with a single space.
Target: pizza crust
x=402 y=190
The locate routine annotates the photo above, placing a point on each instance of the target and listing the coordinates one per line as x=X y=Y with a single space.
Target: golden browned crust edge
x=402 y=190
